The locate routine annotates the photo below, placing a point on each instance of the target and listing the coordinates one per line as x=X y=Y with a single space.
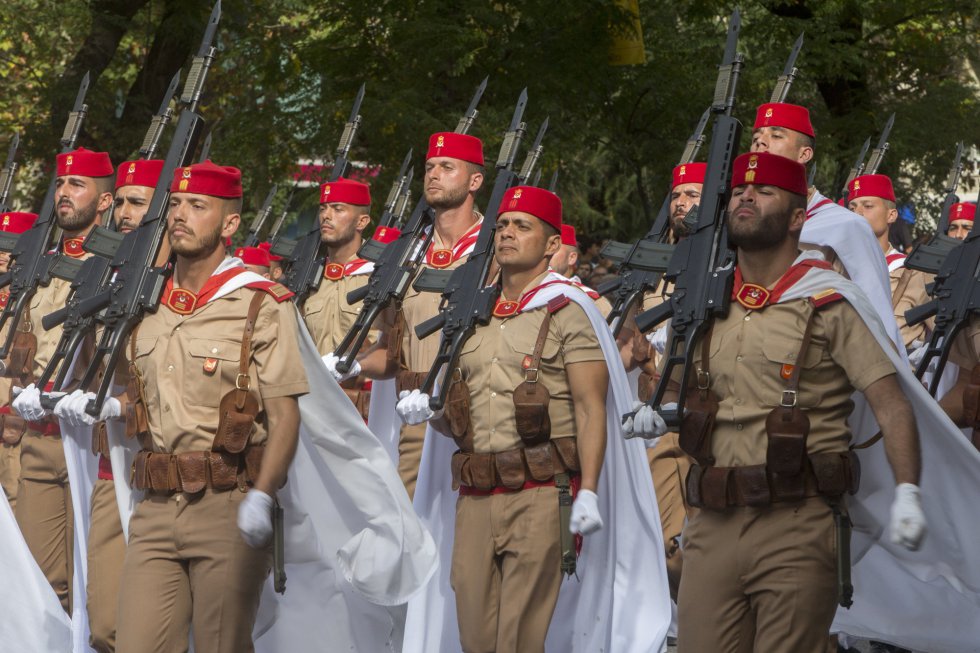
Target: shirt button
x=493 y=360
x=738 y=402
x=176 y=328
x=492 y=431
x=493 y=394
x=747 y=317
x=502 y=326
x=739 y=357
x=214 y=350
x=738 y=427
x=170 y=368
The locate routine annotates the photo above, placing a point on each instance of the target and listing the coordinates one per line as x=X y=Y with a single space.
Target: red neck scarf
x=184 y=302
x=755 y=297
x=443 y=258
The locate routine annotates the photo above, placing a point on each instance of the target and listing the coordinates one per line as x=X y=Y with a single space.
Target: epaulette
x=279 y=292
x=825 y=297
x=555 y=304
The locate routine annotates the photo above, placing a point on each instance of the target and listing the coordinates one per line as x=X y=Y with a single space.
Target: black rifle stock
x=929 y=256
x=467 y=300
x=252 y=239
x=30 y=256
x=397 y=264
x=702 y=266
x=394 y=208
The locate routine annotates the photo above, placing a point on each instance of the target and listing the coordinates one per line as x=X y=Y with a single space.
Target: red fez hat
x=568 y=236
x=16 y=222
x=780 y=114
x=253 y=256
x=689 y=173
x=142 y=172
x=208 y=179
x=386 y=234
x=765 y=169
x=456 y=146
x=541 y=203
x=871 y=186
x=346 y=191
x=267 y=246
x=84 y=163
x=962 y=211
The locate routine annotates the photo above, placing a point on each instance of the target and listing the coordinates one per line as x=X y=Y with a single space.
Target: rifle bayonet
x=789 y=74
x=533 y=154
x=878 y=153
x=252 y=239
x=160 y=121
x=464 y=124
x=856 y=169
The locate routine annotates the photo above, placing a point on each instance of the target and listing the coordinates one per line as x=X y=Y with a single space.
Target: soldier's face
x=131 y=205
x=565 y=260
x=522 y=241
x=682 y=198
x=960 y=229
x=76 y=201
x=4 y=261
x=784 y=142
x=340 y=223
x=197 y=225
x=449 y=181
x=876 y=212
x=759 y=217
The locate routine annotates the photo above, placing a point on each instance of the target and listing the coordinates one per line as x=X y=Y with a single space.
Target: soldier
x=506 y=567
x=786 y=130
x=873 y=198
x=11 y=425
x=216 y=413
x=453 y=175
x=961 y=217
x=83 y=194
x=135 y=183
x=685 y=194
x=255 y=260
x=275 y=262
x=565 y=261
x=772 y=459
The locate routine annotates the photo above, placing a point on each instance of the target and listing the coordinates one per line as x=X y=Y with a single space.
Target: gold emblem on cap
x=187 y=172
x=753 y=162
x=6 y=220
x=683 y=171
x=132 y=167
x=68 y=160
x=857 y=184
x=517 y=194
x=750 y=176
x=440 y=141
x=326 y=190
x=769 y=112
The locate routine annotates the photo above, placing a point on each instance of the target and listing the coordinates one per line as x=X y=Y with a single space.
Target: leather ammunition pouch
x=20 y=365
x=513 y=468
x=100 y=439
x=194 y=471
x=13 y=428
x=408 y=380
x=531 y=398
x=137 y=424
x=700 y=409
x=239 y=407
x=456 y=414
x=394 y=338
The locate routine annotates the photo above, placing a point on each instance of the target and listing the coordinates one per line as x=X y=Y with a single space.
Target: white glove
x=330 y=360
x=413 y=407
x=255 y=518
x=28 y=404
x=585 y=513
x=908 y=523
x=72 y=409
x=645 y=422
x=916 y=356
x=658 y=339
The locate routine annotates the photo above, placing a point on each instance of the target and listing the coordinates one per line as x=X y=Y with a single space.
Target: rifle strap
x=903 y=284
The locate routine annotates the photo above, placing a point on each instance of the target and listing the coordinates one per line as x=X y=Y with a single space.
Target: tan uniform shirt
x=965 y=352
x=47 y=300
x=914 y=294
x=492 y=364
x=327 y=314
x=748 y=352
x=174 y=354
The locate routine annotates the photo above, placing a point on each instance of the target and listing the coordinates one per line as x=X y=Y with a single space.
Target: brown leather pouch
x=253 y=462
x=13 y=427
x=100 y=438
x=481 y=472
x=510 y=468
x=141 y=474
x=787 y=428
x=192 y=470
x=541 y=462
x=531 y=400
x=567 y=449
x=22 y=351
x=752 y=486
x=834 y=474
x=698 y=425
x=136 y=421
x=459 y=458
x=714 y=487
x=407 y=380
x=693 y=485
x=161 y=469
x=224 y=471
x=237 y=411
x=457 y=410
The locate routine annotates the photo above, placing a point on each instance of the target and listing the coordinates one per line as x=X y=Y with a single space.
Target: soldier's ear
x=553 y=245
x=796 y=220
x=230 y=225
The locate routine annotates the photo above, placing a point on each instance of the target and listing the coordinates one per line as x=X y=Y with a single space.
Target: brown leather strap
x=242 y=381
x=702 y=375
x=792 y=388
x=538 y=349
x=903 y=283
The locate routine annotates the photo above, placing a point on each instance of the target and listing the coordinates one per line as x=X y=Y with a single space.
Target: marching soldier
x=255 y=260
x=83 y=194
x=565 y=262
x=961 y=217
x=453 y=175
x=766 y=422
x=275 y=262
x=11 y=425
x=873 y=198
x=135 y=183
x=535 y=380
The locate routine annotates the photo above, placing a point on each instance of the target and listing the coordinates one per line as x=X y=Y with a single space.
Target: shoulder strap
x=792 y=389
x=242 y=381
x=903 y=284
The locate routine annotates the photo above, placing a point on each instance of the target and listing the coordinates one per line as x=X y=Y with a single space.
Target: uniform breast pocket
x=780 y=360
x=522 y=341
x=210 y=370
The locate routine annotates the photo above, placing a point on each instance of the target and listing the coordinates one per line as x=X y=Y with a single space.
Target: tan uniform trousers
x=106 y=552
x=761 y=580
x=10 y=471
x=186 y=561
x=506 y=570
x=669 y=466
x=44 y=511
x=410 y=455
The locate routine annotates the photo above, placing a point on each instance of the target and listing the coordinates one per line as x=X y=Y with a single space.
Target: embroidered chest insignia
x=441 y=258
x=505 y=308
x=333 y=271
x=73 y=247
x=182 y=302
x=210 y=365
x=752 y=297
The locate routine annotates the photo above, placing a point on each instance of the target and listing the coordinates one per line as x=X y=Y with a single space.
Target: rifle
x=206 y=148
x=394 y=208
x=789 y=73
x=7 y=175
x=644 y=262
x=467 y=300
x=304 y=264
x=30 y=256
x=140 y=263
x=702 y=266
x=856 y=169
x=553 y=186
x=929 y=256
x=877 y=154
x=397 y=264
x=160 y=121
x=252 y=239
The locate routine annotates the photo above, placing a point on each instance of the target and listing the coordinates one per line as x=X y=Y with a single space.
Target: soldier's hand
x=72 y=409
x=645 y=422
x=255 y=518
x=28 y=404
x=658 y=339
x=330 y=360
x=413 y=407
x=585 y=513
x=908 y=523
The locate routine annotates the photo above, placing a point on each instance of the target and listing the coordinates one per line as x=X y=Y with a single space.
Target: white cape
x=928 y=599
x=621 y=602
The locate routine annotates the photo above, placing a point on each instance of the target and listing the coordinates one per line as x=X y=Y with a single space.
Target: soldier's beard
x=764 y=232
x=205 y=245
x=80 y=218
x=450 y=198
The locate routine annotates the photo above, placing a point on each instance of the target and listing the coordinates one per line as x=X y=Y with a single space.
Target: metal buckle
x=238 y=382
x=704 y=379
x=789 y=399
x=528 y=371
